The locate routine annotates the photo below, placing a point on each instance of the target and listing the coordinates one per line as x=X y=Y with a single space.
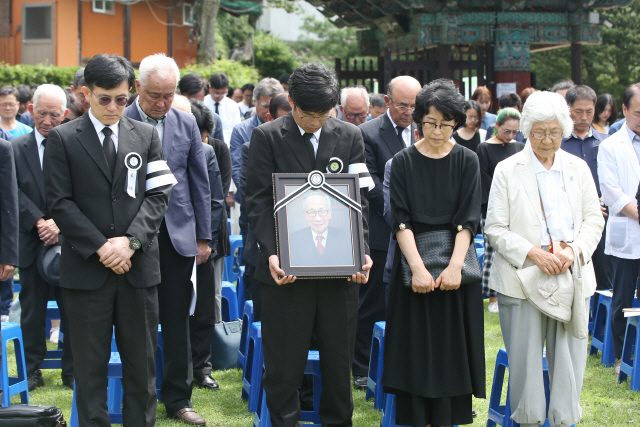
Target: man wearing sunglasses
x=186 y=229
x=107 y=188
x=301 y=142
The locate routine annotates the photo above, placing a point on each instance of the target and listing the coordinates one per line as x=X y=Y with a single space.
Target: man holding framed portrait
x=301 y=142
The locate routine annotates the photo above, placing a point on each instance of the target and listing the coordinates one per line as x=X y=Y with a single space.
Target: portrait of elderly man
x=319 y=243
x=354 y=104
x=543 y=210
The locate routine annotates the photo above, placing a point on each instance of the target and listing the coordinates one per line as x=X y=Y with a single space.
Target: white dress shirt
x=97 y=124
x=324 y=237
x=229 y=114
x=406 y=133
x=39 y=139
x=315 y=140
x=555 y=201
x=635 y=141
x=243 y=108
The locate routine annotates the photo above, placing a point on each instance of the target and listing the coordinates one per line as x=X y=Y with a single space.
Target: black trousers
x=33 y=303
x=251 y=283
x=290 y=313
x=174 y=298
x=625 y=275
x=203 y=322
x=372 y=308
x=134 y=314
x=602 y=266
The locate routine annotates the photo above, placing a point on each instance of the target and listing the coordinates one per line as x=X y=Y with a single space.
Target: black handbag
x=31 y=416
x=435 y=249
x=225 y=345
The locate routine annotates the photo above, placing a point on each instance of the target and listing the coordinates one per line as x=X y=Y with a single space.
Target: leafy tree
x=272 y=55
x=234 y=30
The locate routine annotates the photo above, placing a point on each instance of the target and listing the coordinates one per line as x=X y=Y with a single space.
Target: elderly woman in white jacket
x=542 y=176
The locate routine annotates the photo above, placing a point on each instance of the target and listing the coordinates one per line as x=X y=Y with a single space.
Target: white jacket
x=514 y=218
x=619 y=174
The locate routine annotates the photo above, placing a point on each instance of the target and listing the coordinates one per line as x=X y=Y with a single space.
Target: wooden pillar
x=443 y=61
x=80 y=33
x=127 y=31
x=576 y=63
x=169 y=29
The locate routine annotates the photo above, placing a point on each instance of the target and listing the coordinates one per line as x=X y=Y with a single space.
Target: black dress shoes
x=35 y=380
x=360 y=383
x=206 y=381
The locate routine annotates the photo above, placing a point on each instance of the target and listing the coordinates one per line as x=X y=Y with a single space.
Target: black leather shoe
x=68 y=382
x=35 y=380
x=206 y=381
x=360 y=383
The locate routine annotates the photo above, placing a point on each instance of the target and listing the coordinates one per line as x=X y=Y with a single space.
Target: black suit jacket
x=250 y=253
x=89 y=206
x=31 y=194
x=8 y=206
x=337 y=249
x=217 y=197
x=278 y=147
x=381 y=144
x=223 y=155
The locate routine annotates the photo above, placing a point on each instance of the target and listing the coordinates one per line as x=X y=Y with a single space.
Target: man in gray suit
x=186 y=229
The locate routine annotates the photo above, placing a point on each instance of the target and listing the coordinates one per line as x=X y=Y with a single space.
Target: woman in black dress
x=434 y=351
x=490 y=153
x=471 y=134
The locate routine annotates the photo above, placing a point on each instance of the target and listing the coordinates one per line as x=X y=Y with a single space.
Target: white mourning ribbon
x=316 y=181
x=132 y=161
x=363 y=173
x=159 y=175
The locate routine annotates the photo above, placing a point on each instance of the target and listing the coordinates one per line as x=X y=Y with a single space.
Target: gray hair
x=161 y=64
x=344 y=94
x=543 y=107
x=267 y=87
x=51 y=91
x=316 y=193
x=562 y=85
x=182 y=103
x=377 y=100
x=78 y=78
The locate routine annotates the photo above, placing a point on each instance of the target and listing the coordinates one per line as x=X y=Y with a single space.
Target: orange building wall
x=102 y=33
x=184 y=51
x=66 y=33
x=148 y=36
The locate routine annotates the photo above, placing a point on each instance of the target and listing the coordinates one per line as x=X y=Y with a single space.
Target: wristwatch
x=134 y=243
x=603 y=204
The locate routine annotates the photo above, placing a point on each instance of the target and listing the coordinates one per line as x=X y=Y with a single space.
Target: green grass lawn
x=604 y=401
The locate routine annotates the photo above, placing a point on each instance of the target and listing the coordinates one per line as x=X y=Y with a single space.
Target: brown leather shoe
x=189 y=416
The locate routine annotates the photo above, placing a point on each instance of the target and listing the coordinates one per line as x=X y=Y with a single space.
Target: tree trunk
x=207 y=46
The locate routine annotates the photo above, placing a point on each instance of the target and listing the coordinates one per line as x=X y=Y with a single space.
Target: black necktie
x=310 y=151
x=217 y=105
x=44 y=143
x=400 y=138
x=109 y=149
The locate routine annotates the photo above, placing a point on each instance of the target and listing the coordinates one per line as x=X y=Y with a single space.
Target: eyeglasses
x=323 y=213
x=443 y=128
x=541 y=136
x=105 y=100
x=42 y=114
x=356 y=116
x=8 y=104
x=311 y=119
x=403 y=108
x=264 y=105
x=512 y=132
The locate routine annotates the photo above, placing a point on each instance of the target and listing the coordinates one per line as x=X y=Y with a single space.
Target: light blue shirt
x=20 y=129
x=488 y=120
x=158 y=124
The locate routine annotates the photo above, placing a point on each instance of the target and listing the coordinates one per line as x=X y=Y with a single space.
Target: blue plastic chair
x=232 y=262
x=13 y=385
x=262 y=417
x=247 y=321
x=53 y=358
x=602 y=335
x=229 y=302
x=480 y=253
x=254 y=363
x=631 y=353
x=241 y=290
x=479 y=241
x=376 y=365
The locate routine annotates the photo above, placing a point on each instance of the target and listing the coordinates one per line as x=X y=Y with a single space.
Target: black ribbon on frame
x=315 y=181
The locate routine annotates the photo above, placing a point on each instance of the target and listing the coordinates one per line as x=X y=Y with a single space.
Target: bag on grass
x=31 y=416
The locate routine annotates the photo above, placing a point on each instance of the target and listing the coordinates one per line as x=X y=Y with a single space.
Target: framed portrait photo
x=319 y=224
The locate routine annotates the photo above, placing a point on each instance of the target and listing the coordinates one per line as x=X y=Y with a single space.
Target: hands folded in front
x=116 y=254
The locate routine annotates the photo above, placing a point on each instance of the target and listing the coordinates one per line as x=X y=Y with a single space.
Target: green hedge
x=63 y=76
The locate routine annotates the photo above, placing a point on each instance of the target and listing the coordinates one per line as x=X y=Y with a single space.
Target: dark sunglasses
x=120 y=101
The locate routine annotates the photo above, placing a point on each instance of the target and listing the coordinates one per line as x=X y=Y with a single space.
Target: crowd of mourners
x=114 y=190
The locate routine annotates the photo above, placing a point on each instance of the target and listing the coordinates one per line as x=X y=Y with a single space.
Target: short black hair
x=510 y=100
x=78 y=78
x=473 y=105
x=203 y=116
x=444 y=96
x=377 y=100
x=192 y=83
x=314 y=88
x=629 y=93
x=24 y=94
x=9 y=90
x=108 y=72
x=248 y=86
x=219 y=81
x=284 y=78
x=562 y=85
x=580 y=93
x=601 y=104
x=280 y=101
